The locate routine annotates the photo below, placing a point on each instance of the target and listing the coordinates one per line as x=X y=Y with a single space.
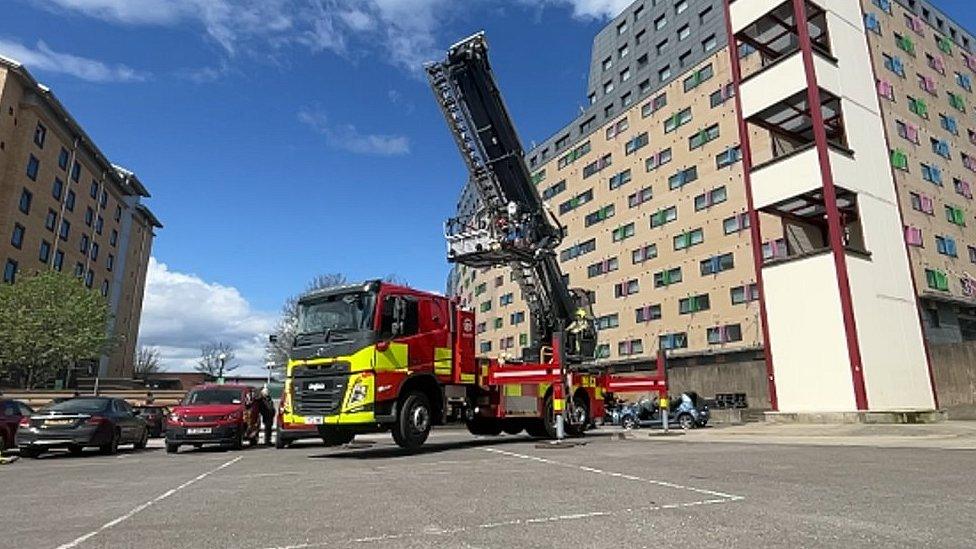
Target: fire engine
x=378 y=356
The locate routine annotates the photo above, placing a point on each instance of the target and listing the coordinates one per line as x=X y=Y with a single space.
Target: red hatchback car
x=11 y=412
x=214 y=414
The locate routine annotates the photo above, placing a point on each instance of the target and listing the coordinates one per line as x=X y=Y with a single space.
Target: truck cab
x=361 y=351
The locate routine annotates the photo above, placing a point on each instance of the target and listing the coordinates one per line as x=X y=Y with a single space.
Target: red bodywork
x=243 y=415
x=11 y=412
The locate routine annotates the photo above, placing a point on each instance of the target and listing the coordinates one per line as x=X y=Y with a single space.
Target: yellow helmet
x=581 y=313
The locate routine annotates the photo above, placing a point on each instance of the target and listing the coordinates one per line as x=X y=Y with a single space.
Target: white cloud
x=589 y=9
x=348 y=138
x=181 y=312
x=43 y=58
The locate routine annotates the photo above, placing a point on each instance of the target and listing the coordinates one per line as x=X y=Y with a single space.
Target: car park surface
x=498 y=492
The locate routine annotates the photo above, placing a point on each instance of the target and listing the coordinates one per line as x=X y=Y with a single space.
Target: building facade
x=649 y=182
x=65 y=206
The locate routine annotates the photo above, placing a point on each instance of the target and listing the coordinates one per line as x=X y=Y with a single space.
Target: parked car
x=11 y=412
x=687 y=410
x=155 y=417
x=80 y=423
x=286 y=433
x=214 y=414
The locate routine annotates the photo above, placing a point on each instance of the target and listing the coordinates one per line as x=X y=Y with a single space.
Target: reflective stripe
x=558 y=404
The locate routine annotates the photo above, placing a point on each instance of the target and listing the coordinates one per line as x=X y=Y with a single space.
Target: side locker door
x=417 y=336
x=438 y=327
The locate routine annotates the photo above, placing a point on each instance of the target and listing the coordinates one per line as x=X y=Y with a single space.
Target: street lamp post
x=222 y=357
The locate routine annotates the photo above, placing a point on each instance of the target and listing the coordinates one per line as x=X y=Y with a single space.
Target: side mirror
x=273 y=338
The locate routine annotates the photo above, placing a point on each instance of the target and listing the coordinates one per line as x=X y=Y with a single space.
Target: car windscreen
x=212 y=396
x=80 y=406
x=343 y=312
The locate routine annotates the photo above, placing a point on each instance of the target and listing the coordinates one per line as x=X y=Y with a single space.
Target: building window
x=899 y=160
x=40 y=134
x=76 y=172
x=65 y=229
x=624 y=289
x=946 y=245
x=667 y=277
x=657 y=160
x=17 y=238
x=623 y=51
x=894 y=64
x=69 y=200
x=664 y=216
x=93 y=189
x=597 y=165
x=654 y=105
x=635 y=144
x=113 y=239
x=33 y=165
x=693 y=304
x=717 y=264
x=702 y=137
x=630 y=347
x=89 y=278
x=644 y=253
x=51 y=220
x=684 y=32
x=63 y=158
x=648 y=313
x=729 y=333
x=105 y=288
x=623 y=232
x=606 y=322
x=615 y=129
x=709 y=44
x=45 y=252
x=640 y=197
x=58 y=260
x=622 y=28
x=683 y=177
x=10 y=271
x=728 y=157
x=688 y=239
x=696 y=78
x=680 y=6
x=735 y=223
x=710 y=198
x=677 y=120
x=660 y=23
x=678 y=340
x=26 y=197
x=744 y=294
x=94 y=251
x=937 y=280
x=577 y=250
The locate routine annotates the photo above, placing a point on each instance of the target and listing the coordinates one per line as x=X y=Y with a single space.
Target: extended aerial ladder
x=510 y=225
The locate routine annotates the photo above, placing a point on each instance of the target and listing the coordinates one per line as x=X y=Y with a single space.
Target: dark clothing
x=267 y=411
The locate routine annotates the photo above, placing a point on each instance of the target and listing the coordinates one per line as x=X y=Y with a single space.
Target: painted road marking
x=715 y=499
x=146 y=505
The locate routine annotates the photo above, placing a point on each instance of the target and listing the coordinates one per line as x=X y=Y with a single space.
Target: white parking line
x=729 y=497
x=149 y=503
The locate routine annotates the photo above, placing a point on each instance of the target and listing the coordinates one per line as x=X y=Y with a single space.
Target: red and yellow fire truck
x=377 y=356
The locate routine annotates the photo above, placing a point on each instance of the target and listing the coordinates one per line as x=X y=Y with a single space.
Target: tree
x=212 y=364
x=146 y=362
x=49 y=322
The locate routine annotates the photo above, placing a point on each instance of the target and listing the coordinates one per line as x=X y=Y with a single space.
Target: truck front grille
x=319 y=395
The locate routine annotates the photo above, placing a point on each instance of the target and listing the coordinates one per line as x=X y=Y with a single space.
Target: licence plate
x=58 y=422
x=198 y=431
x=313 y=420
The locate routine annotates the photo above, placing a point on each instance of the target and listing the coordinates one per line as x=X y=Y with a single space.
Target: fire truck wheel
x=536 y=428
x=413 y=421
x=580 y=417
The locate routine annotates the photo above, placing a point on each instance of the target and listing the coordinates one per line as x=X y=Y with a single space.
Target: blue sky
x=285 y=138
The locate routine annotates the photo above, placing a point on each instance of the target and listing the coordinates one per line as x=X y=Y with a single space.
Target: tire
x=112 y=447
x=142 y=442
x=581 y=413
x=3 y=444
x=544 y=427
x=485 y=427
x=76 y=450
x=281 y=442
x=334 y=437
x=536 y=428
x=414 y=419
x=628 y=422
x=32 y=453
x=685 y=421
x=238 y=443
x=172 y=448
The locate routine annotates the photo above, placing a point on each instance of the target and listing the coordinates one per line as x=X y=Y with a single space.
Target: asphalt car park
x=462 y=491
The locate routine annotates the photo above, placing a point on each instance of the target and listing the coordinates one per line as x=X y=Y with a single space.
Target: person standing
x=267 y=410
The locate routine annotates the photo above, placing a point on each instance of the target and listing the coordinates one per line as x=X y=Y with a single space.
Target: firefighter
x=577 y=328
x=267 y=411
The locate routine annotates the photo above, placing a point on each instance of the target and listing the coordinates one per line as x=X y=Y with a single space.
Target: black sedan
x=80 y=423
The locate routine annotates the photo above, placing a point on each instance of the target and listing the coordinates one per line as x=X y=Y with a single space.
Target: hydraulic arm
x=510 y=226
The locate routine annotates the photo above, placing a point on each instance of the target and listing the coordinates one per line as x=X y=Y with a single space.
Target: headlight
x=233 y=416
x=358 y=393
x=174 y=418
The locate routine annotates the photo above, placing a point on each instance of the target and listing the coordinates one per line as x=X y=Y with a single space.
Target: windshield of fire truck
x=336 y=313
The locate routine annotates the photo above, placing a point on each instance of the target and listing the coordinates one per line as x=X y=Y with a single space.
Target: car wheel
x=238 y=443
x=32 y=453
x=113 y=445
x=3 y=444
x=414 y=421
x=280 y=442
x=628 y=422
x=172 y=448
x=142 y=442
x=685 y=421
x=76 y=450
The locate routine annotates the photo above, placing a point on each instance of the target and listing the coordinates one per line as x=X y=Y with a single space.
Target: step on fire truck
x=378 y=356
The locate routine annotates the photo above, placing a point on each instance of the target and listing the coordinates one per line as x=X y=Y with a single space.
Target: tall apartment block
x=65 y=206
x=717 y=216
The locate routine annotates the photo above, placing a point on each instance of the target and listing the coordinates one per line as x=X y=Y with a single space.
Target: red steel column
x=746 y=149
x=834 y=229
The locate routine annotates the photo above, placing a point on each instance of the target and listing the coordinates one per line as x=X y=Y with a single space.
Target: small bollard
x=664 y=414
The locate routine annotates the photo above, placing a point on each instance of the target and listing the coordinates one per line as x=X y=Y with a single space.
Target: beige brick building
x=648 y=181
x=65 y=206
